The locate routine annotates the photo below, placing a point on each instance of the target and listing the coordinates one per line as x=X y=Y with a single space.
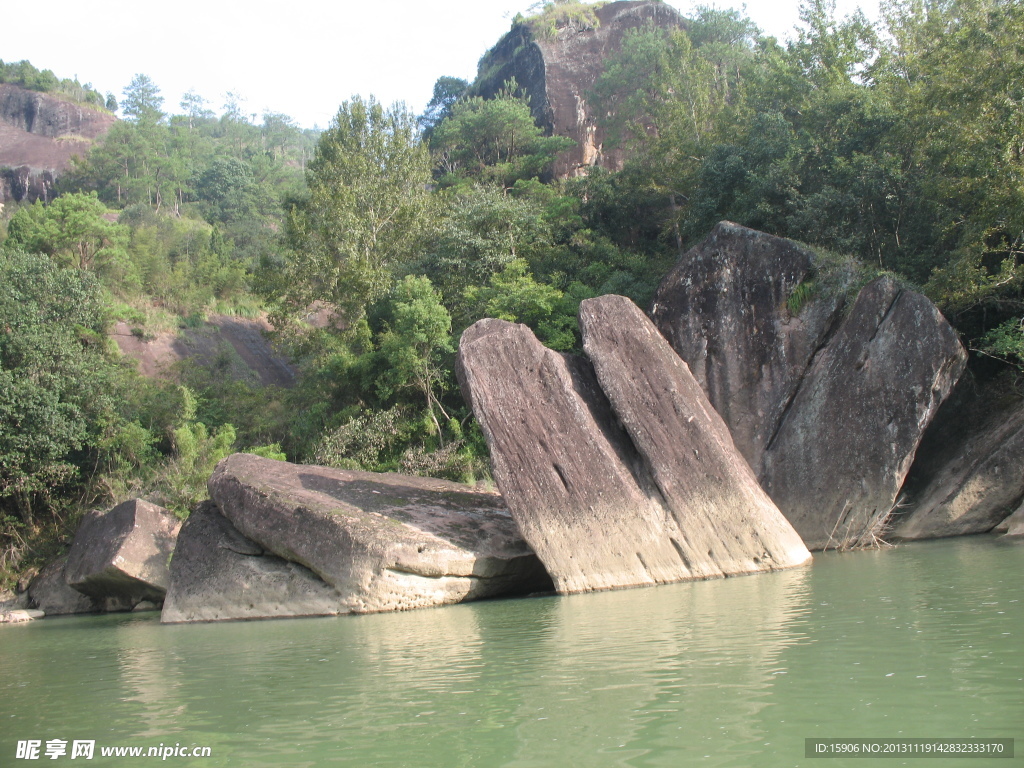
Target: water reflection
x=920 y=641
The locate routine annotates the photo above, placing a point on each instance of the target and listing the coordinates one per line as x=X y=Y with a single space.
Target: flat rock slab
x=582 y=494
x=218 y=574
x=122 y=555
x=383 y=542
x=723 y=308
x=844 y=446
x=20 y=616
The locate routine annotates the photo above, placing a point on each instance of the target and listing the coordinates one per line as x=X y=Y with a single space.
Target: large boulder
x=583 y=495
x=827 y=403
x=382 y=542
x=723 y=308
x=121 y=557
x=968 y=473
x=724 y=523
x=845 y=445
x=49 y=593
x=218 y=574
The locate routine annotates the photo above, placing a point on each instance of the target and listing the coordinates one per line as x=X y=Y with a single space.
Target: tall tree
x=368 y=186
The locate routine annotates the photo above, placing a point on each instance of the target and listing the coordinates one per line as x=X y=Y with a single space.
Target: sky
x=301 y=58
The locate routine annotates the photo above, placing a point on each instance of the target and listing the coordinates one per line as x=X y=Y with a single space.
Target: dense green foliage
x=24 y=75
x=898 y=144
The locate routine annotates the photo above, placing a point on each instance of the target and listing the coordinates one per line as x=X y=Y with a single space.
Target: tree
x=72 y=229
x=494 y=140
x=368 y=185
x=414 y=343
x=54 y=379
x=447 y=92
x=142 y=102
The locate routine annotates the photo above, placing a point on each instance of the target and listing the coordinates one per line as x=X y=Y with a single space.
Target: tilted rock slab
x=382 y=542
x=120 y=557
x=724 y=523
x=218 y=574
x=583 y=496
x=973 y=468
x=846 y=443
x=723 y=310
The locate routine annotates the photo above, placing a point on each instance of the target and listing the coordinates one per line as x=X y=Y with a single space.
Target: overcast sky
x=299 y=58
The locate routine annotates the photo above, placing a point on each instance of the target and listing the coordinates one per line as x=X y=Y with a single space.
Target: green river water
x=921 y=641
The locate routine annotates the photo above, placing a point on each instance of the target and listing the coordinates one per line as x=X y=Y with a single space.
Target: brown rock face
x=723 y=309
x=218 y=574
x=120 y=557
x=558 y=74
x=39 y=134
x=382 y=542
x=969 y=471
x=828 y=411
x=599 y=512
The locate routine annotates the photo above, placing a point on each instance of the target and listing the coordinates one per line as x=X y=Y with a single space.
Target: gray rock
x=50 y=593
x=718 y=519
x=382 y=541
x=847 y=440
x=121 y=556
x=1014 y=524
x=723 y=309
x=968 y=476
x=218 y=574
x=581 y=493
x=20 y=615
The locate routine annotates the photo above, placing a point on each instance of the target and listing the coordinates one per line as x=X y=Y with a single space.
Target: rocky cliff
x=558 y=70
x=39 y=134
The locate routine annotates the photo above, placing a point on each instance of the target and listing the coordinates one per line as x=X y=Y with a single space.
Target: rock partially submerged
x=378 y=542
x=120 y=558
x=1014 y=524
x=218 y=574
x=50 y=593
x=585 y=498
x=968 y=476
x=828 y=409
x=842 y=451
x=20 y=615
x=725 y=524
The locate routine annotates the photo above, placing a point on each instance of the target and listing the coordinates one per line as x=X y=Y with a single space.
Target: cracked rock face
x=828 y=410
x=845 y=446
x=120 y=557
x=723 y=310
x=379 y=542
x=639 y=487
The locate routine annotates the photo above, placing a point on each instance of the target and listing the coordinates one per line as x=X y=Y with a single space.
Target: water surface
x=924 y=640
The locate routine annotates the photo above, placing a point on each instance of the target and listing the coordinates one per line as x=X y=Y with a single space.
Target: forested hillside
x=898 y=144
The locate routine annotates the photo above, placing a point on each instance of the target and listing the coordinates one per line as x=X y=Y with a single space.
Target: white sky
x=300 y=58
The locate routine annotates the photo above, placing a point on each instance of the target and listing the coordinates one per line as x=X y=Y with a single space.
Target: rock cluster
x=827 y=403
x=616 y=468
x=285 y=539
